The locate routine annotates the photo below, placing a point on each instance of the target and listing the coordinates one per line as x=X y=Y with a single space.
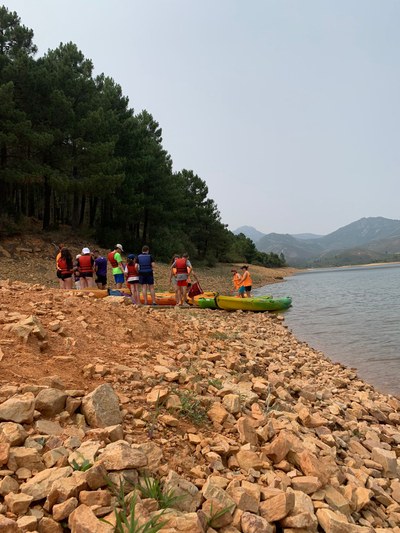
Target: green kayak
x=231 y=303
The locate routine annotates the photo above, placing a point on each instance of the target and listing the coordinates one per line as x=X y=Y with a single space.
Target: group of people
x=89 y=269
x=242 y=282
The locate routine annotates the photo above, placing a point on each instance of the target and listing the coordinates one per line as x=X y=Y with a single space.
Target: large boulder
x=101 y=407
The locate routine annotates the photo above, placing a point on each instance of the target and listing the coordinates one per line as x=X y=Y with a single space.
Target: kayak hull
x=229 y=303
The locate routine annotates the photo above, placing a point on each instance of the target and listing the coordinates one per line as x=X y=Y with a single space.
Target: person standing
x=100 y=267
x=85 y=267
x=58 y=256
x=66 y=268
x=246 y=283
x=146 y=274
x=172 y=277
x=132 y=277
x=115 y=260
x=183 y=268
x=236 y=280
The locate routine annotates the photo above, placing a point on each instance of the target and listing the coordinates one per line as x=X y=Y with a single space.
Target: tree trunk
x=83 y=207
x=75 y=211
x=46 y=203
x=93 y=202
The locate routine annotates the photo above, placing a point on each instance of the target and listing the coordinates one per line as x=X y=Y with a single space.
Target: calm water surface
x=350 y=314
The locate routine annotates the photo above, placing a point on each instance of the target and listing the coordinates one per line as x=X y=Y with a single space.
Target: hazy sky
x=288 y=109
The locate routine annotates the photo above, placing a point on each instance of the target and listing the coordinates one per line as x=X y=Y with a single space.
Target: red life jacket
x=113 y=262
x=181 y=266
x=63 y=266
x=132 y=270
x=85 y=264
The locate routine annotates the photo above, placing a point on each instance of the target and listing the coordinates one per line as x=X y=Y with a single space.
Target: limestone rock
x=50 y=402
x=189 y=496
x=7 y=525
x=83 y=520
x=336 y=522
x=121 y=456
x=12 y=433
x=39 y=485
x=252 y=523
x=101 y=407
x=277 y=507
x=18 y=409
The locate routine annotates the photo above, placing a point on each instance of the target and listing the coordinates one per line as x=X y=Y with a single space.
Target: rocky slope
x=248 y=429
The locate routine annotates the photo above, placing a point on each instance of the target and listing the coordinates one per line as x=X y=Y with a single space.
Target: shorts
x=59 y=275
x=119 y=278
x=242 y=290
x=146 y=278
x=248 y=288
x=65 y=276
x=133 y=281
x=86 y=274
x=182 y=283
x=101 y=279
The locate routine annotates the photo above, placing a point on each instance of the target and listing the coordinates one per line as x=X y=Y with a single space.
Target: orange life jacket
x=246 y=280
x=85 y=264
x=63 y=266
x=236 y=280
x=181 y=266
x=111 y=258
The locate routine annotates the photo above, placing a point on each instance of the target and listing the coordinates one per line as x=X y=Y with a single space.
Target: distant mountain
x=366 y=240
x=250 y=232
x=296 y=251
x=306 y=236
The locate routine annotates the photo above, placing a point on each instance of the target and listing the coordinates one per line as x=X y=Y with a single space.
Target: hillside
x=366 y=240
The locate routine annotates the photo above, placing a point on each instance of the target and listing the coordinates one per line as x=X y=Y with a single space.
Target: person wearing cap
x=85 y=267
x=115 y=260
x=100 y=267
x=132 y=277
x=245 y=283
x=236 y=280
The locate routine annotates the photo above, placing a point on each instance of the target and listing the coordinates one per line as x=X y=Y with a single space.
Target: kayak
x=229 y=303
x=162 y=298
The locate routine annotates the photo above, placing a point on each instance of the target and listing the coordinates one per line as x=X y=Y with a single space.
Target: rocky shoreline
x=248 y=429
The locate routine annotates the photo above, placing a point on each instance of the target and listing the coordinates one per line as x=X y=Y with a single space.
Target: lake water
x=351 y=315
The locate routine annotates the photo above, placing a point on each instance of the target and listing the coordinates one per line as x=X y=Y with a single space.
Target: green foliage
x=73 y=153
x=191 y=407
x=81 y=467
x=126 y=516
x=212 y=519
x=153 y=488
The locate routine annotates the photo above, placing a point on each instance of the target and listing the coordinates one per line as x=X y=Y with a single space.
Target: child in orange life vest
x=246 y=283
x=172 y=277
x=132 y=277
x=236 y=280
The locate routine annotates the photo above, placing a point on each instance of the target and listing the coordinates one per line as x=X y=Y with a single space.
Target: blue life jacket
x=145 y=261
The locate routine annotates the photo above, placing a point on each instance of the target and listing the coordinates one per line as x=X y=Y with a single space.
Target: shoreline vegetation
x=250 y=429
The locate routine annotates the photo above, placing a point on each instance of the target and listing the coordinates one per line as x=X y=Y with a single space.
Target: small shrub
x=125 y=514
x=153 y=488
x=191 y=407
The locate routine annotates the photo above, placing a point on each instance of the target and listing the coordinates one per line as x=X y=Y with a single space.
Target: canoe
x=230 y=303
x=162 y=298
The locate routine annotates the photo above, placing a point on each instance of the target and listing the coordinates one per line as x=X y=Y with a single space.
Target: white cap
x=119 y=246
x=85 y=251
